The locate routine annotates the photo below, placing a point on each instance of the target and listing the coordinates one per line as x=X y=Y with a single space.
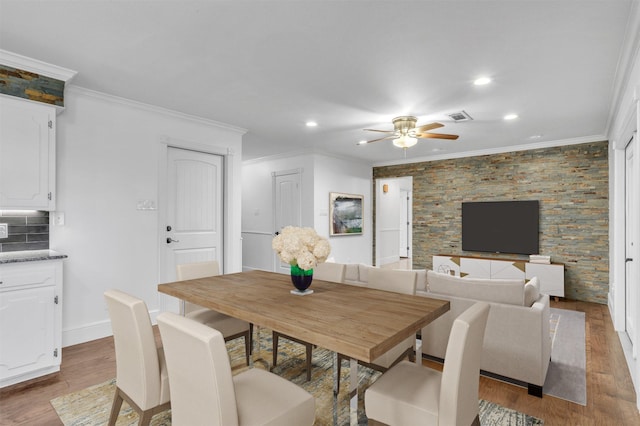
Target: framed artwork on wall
x=345 y=214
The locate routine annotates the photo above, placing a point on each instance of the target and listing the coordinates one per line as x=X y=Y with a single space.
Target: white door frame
x=226 y=153
x=631 y=290
x=627 y=129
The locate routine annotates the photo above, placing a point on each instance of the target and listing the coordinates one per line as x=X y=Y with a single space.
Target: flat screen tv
x=501 y=226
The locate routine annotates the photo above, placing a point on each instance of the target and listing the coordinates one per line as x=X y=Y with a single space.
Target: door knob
x=171 y=240
x=628 y=259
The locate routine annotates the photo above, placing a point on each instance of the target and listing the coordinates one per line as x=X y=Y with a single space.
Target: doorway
x=393 y=220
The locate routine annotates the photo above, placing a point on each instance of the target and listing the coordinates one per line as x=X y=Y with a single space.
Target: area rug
x=91 y=406
x=566 y=377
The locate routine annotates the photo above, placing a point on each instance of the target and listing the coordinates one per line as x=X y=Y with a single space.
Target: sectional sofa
x=517 y=342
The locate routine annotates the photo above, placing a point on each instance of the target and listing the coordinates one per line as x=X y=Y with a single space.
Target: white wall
x=107 y=159
x=258 y=223
x=320 y=175
x=338 y=175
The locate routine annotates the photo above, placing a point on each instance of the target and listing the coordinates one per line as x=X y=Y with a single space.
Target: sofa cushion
x=531 y=291
x=363 y=271
x=488 y=290
x=421 y=284
x=351 y=273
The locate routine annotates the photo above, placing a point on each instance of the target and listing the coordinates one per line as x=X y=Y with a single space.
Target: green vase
x=301 y=278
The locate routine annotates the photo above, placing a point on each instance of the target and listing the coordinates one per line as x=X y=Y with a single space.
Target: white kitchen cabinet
x=27 y=154
x=30 y=320
x=551 y=276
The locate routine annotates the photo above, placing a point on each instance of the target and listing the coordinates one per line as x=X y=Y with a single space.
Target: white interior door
x=631 y=215
x=194 y=210
x=404 y=223
x=287 y=194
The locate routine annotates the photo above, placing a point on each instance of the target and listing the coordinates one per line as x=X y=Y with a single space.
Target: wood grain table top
x=358 y=322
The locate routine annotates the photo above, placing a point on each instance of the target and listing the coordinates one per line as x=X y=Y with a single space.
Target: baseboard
x=86 y=333
x=93 y=331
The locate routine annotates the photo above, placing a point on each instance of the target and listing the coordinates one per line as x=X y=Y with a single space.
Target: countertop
x=30 y=256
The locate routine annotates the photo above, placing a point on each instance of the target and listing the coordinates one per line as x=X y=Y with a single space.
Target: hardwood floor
x=610 y=393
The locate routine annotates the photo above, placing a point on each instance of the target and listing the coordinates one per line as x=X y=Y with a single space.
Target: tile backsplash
x=28 y=230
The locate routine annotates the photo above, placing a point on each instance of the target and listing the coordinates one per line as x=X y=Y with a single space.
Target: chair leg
x=274 y=338
x=309 y=357
x=115 y=408
x=145 y=418
x=251 y=337
x=339 y=369
x=247 y=346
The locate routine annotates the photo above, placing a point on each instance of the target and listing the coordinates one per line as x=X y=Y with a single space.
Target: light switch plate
x=4 y=230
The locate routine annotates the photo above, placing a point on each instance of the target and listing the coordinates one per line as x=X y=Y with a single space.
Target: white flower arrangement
x=301 y=246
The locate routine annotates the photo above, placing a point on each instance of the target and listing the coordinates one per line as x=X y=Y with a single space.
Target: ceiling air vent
x=460 y=116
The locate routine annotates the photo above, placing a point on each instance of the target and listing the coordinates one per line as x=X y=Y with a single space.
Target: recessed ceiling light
x=311 y=124
x=482 y=81
x=511 y=116
x=436 y=149
x=534 y=137
x=362 y=143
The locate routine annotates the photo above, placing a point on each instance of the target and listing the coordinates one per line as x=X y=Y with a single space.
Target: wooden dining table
x=358 y=322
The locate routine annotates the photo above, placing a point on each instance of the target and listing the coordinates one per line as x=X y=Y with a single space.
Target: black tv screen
x=501 y=226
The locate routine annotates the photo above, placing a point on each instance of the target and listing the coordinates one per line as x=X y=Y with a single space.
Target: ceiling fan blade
x=429 y=126
x=436 y=136
x=383 y=131
x=382 y=139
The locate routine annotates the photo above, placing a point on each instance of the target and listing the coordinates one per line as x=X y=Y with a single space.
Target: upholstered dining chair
x=141 y=373
x=204 y=391
x=327 y=271
x=398 y=281
x=413 y=394
x=231 y=328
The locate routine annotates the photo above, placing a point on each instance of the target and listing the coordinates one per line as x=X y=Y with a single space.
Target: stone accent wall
x=32 y=86
x=571 y=183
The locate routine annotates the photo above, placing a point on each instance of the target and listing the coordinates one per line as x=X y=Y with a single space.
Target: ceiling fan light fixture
x=405 y=141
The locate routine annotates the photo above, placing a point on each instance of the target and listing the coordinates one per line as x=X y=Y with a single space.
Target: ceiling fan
x=405 y=133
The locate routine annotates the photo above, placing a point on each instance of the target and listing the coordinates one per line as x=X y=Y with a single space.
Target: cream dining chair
x=327 y=271
x=398 y=281
x=411 y=394
x=204 y=391
x=231 y=328
x=141 y=373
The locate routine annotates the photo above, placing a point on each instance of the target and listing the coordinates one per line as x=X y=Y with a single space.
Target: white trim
x=86 y=333
x=499 y=150
x=257 y=233
x=287 y=172
x=14 y=60
x=93 y=331
x=156 y=109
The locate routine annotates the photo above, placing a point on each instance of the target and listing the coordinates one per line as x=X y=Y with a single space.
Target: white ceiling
x=269 y=66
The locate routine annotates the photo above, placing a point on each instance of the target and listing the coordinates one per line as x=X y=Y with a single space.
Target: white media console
x=551 y=275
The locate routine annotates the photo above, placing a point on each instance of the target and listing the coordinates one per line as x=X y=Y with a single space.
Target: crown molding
x=152 y=108
x=493 y=151
x=14 y=60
